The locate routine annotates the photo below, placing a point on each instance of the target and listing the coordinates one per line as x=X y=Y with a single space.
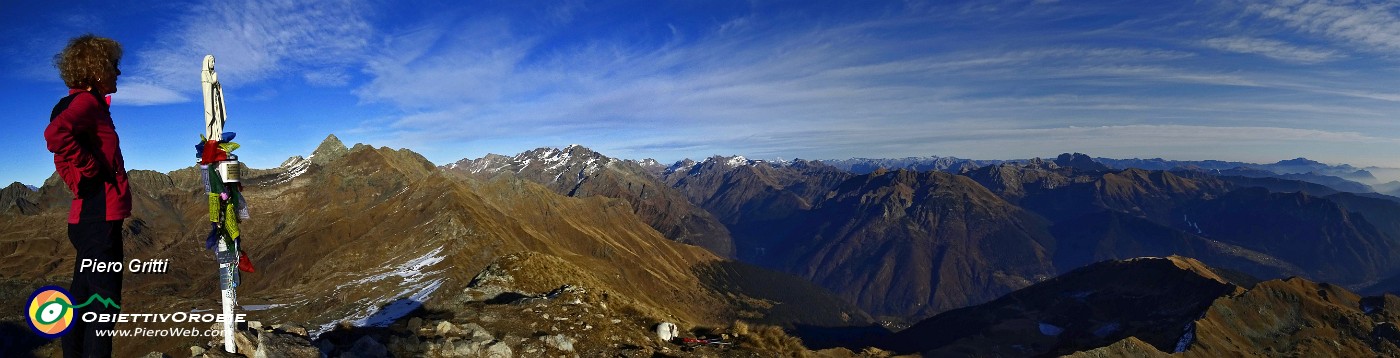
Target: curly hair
x=87 y=59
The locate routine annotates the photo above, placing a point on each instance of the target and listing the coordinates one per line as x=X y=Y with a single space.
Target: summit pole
x=217 y=180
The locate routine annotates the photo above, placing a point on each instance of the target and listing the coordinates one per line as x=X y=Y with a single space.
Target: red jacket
x=88 y=156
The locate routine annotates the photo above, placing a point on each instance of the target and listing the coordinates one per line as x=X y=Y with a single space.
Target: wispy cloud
x=1137 y=135
x=483 y=81
x=1274 y=49
x=1365 y=25
x=989 y=79
x=852 y=85
x=254 y=41
x=143 y=94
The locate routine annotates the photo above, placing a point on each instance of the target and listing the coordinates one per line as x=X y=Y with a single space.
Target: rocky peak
x=151 y=181
x=291 y=168
x=1037 y=163
x=651 y=166
x=16 y=186
x=291 y=161
x=553 y=161
x=329 y=150
x=729 y=161
x=19 y=196
x=681 y=166
x=1081 y=162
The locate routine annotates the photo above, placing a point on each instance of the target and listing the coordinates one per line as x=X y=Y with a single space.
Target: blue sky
x=1232 y=80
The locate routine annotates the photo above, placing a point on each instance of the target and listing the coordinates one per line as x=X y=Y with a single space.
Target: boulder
x=559 y=342
x=367 y=347
x=293 y=329
x=469 y=348
x=273 y=344
x=245 y=341
x=498 y=350
x=476 y=333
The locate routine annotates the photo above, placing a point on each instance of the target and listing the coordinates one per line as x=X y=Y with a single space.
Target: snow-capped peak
x=736 y=161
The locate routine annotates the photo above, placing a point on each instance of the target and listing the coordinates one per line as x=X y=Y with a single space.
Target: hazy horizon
x=1383 y=174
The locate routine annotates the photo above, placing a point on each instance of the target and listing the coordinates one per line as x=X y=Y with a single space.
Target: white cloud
x=143 y=94
x=255 y=41
x=1274 y=49
x=1138 y=135
x=481 y=81
x=1368 y=26
x=745 y=87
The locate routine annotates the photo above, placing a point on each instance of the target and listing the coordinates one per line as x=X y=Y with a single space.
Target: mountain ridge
x=579 y=171
x=388 y=233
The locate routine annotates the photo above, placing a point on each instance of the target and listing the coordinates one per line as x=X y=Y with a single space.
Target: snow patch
x=1050 y=329
x=382 y=317
x=1192 y=225
x=261 y=307
x=736 y=161
x=415 y=289
x=1187 y=338
x=409 y=271
x=291 y=169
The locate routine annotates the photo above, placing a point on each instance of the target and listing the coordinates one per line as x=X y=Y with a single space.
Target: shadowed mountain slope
x=913 y=244
x=1155 y=306
x=1322 y=238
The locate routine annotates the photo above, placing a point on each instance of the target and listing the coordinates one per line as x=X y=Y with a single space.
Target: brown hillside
x=580 y=172
x=376 y=234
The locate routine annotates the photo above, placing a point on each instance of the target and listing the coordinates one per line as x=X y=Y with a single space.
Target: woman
x=87 y=155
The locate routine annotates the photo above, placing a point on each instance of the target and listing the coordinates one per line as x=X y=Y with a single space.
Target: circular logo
x=50 y=311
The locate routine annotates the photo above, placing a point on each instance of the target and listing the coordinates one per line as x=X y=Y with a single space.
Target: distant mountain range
x=1342 y=177
x=851 y=232
x=1014 y=258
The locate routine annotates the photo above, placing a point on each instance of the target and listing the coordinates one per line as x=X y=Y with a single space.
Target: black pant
x=100 y=241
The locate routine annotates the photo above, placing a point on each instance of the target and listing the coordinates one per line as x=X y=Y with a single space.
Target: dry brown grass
x=739 y=329
x=772 y=340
